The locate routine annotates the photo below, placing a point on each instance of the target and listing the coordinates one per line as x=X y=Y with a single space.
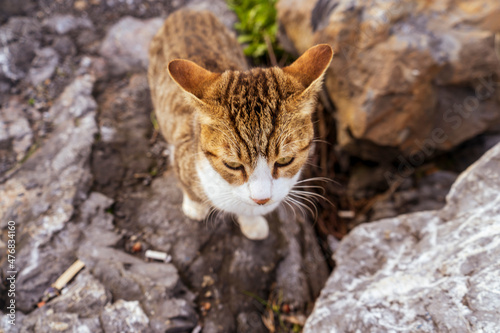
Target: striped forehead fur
x=258 y=105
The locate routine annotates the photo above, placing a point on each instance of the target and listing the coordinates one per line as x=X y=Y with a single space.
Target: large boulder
x=127 y=42
x=416 y=76
x=434 y=271
x=40 y=196
x=16 y=53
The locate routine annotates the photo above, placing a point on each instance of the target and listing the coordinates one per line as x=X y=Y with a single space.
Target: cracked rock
x=41 y=197
x=433 y=271
x=19 y=39
x=124 y=317
x=63 y=24
x=15 y=132
x=418 y=78
x=126 y=44
x=43 y=66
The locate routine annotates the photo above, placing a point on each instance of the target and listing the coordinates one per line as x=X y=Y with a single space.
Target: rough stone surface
x=127 y=42
x=9 y=8
x=19 y=38
x=63 y=24
x=218 y=7
x=16 y=135
x=78 y=306
x=87 y=177
x=410 y=75
x=42 y=195
x=44 y=65
x=124 y=317
x=434 y=271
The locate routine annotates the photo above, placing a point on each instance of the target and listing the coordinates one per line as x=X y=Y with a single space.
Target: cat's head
x=255 y=128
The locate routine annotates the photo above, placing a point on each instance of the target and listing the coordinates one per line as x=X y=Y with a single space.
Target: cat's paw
x=194 y=210
x=253 y=227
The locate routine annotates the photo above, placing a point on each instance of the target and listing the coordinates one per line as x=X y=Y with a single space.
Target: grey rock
x=9 y=8
x=124 y=317
x=302 y=272
x=64 y=46
x=88 y=41
x=154 y=285
x=43 y=66
x=406 y=197
x=6 y=322
x=76 y=310
x=49 y=321
x=85 y=296
x=128 y=277
x=100 y=230
x=401 y=77
x=15 y=130
x=434 y=271
x=19 y=39
x=42 y=195
x=63 y=24
x=95 y=205
x=383 y=209
x=75 y=101
x=179 y=314
x=126 y=44
x=248 y=322
x=218 y=7
x=366 y=181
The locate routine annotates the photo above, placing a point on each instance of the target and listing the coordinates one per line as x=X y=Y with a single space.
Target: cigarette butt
x=157 y=255
x=346 y=214
x=70 y=273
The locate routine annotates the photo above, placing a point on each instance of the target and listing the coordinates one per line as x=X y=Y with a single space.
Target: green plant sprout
x=257 y=28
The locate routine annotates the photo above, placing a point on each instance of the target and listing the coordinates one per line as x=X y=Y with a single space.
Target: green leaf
x=257 y=18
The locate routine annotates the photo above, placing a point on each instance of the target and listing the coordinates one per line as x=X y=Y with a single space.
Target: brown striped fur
x=209 y=104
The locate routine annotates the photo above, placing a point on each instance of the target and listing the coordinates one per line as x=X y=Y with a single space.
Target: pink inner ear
x=191 y=77
x=311 y=64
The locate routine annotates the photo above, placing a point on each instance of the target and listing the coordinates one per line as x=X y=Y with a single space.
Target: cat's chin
x=247 y=209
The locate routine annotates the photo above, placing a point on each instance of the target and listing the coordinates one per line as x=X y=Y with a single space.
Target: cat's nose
x=261 y=201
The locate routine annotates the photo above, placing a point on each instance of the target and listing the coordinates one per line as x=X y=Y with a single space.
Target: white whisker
x=314 y=195
x=291 y=207
x=308 y=200
x=301 y=204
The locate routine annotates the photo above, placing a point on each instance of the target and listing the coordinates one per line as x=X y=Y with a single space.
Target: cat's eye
x=284 y=161
x=233 y=165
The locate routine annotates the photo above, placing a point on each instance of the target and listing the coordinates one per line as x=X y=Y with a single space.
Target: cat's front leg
x=192 y=209
x=253 y=227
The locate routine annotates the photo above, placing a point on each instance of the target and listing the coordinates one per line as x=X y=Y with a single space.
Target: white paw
x=193 y=209
x=253 y=227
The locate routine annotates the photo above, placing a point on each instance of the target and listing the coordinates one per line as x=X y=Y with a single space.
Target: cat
x=238 y=137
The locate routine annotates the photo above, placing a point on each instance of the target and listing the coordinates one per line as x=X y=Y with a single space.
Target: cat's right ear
x=310 y=67
x=191 y=77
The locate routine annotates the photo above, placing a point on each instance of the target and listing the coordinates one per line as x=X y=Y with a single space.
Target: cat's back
x=193 y=35
x=200 y=37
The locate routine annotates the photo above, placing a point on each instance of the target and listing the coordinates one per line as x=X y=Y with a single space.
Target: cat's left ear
x=192 y=78
x=309 y=68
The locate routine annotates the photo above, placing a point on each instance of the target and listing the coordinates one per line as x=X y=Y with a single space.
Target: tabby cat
x=239 y=137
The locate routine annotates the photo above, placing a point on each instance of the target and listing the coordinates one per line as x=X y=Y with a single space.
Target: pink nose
x=261 y=201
